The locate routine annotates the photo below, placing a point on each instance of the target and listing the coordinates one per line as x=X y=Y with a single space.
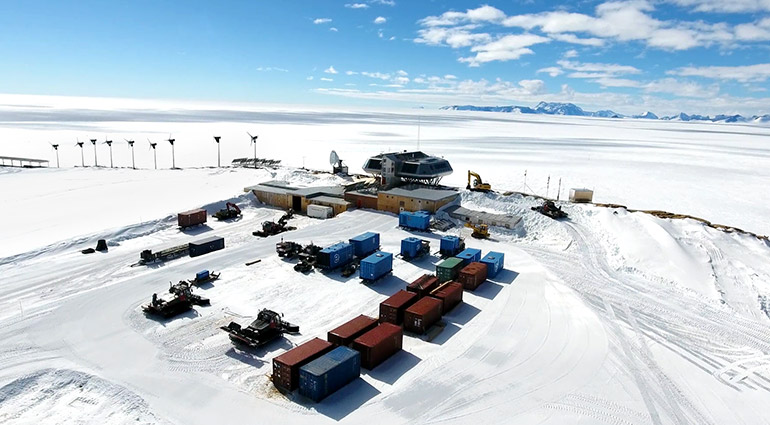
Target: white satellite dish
x=333 y=158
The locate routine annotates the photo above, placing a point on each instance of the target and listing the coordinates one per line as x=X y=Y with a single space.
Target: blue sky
x=697 y=56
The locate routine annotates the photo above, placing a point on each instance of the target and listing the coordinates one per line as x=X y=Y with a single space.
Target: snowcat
x=267 y=327
x=231 y=211
x=288 y=249
x=270 y=228
x=550 y=209
x=183 y=300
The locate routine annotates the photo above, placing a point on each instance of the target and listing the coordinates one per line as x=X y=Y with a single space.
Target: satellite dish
x=333 y=158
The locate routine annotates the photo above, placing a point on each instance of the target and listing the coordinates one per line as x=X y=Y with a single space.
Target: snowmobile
x=550 y=209
x=183 y=300
x=231 y=211
x=267 y=327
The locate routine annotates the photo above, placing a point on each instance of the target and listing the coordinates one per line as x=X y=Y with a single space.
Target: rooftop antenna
x=96 y=163
x=109 y=143
x=131 y=146
x=82 y=159
x=56 y=148
x=216 y=139
x=173 y=160
x=254 y=141
x=154 y=152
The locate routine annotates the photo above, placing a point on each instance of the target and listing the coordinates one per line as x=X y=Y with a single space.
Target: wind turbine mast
x=216 y=139
x=173 y=160
x=154 y=152
x=109 y=143
x=131 y=146
x=82 y=158
x=96 y=163
x=254 y=141
x=56 y=148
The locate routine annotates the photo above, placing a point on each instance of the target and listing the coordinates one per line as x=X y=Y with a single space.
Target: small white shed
x=581 y=195
x=320 y=211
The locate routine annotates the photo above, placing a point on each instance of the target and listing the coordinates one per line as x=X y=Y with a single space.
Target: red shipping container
x=473 y=275
x=191 y=218
x=422 y=315
x=450 y=294
x=379 y=344
x=392 y=309
x=349 y=331
x=423 y=285
x=286 y=366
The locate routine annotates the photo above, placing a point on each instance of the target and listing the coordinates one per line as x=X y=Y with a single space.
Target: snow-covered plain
x=608 y=318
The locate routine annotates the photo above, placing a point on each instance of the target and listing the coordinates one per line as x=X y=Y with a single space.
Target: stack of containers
x=410 y=246
x=286 y=366
x=450 y=294
x=450 y=245
x=376 y=266
x=350 y=330
x=365 y=244
x=379 y=344
x=419 y=220
x=328 y=373
x=423 y=285
x=448 y=269
x=335 y=256
x=495 y=262
x=470 y=255
x=473 y=275
x=422 y=315
x=392 y=310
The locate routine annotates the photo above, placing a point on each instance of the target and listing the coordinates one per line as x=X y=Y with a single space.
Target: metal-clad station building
x=281 y=195
x=414 y=198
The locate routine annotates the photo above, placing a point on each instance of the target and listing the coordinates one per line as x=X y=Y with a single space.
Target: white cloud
x=402 y=73
x=756 y=31
x=333 y=29
x=450 y=77
x=572 y=53
x=380 y=20
x=509 y=47
x=573 y=39
x=730 y=6
x=383 y=2
x=484 y=13
x=744 y=74
x=326 y=79
x=271 y=68
x=351 y=72
x=379 y=75
x=380 y=34
x=617 y=82
x=393 y=37
x=452 y=37
x=310 y=78
x=322 y=21
x=357 y=5
x=682 y=88
x=601 y=68
x=553 y=71
x=330 y=70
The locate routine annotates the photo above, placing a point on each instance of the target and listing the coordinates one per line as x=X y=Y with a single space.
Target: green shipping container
x=448 y=269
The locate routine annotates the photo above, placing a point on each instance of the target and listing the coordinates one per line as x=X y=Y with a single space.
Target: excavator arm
x=477 y=184
x=231 y=205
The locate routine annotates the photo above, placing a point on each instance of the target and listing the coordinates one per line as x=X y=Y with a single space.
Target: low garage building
x=281 y=195
x=415 y=198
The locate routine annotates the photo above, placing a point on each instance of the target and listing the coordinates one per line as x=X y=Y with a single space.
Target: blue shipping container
x=414 y=220
x=365 y=244
x=495 y=262
x=202 y=275
x=328 y=373
x=469 y=255
x=336 y=255
x=376 y=265
x=410 y=246
x=449 y=244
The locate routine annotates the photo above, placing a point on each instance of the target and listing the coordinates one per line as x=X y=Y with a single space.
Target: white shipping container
x=581 y=195
x=320 y=211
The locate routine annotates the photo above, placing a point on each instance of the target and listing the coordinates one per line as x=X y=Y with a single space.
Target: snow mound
x=76 y=397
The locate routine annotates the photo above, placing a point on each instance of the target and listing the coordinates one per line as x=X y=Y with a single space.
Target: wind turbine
x=82 y=159
x=109 y=143
x=131 y=146
x=154 y=152
x=254 y=141
x=173 y=161
x=96 y=163
x=216 y=139
x=56 y=148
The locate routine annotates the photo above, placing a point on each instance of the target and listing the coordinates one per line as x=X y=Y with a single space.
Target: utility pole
x=216 y=139
x=96 y=163
x=547 y=186
x=558 y=193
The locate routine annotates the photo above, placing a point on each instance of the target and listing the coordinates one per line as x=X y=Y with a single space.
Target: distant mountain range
x=555 y=108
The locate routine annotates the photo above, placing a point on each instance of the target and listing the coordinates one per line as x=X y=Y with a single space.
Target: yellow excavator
x=480 y=231
x=477 y=185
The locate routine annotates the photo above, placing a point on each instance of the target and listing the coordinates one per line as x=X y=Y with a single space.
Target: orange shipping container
x=473 y=275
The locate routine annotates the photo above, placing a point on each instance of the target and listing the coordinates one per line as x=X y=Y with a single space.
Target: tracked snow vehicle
x=288 y=249
x=550 y=209
x=267 y=327
x=270 y=228
x=181 y=301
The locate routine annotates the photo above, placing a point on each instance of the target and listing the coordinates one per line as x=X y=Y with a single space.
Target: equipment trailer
x=267 y=327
